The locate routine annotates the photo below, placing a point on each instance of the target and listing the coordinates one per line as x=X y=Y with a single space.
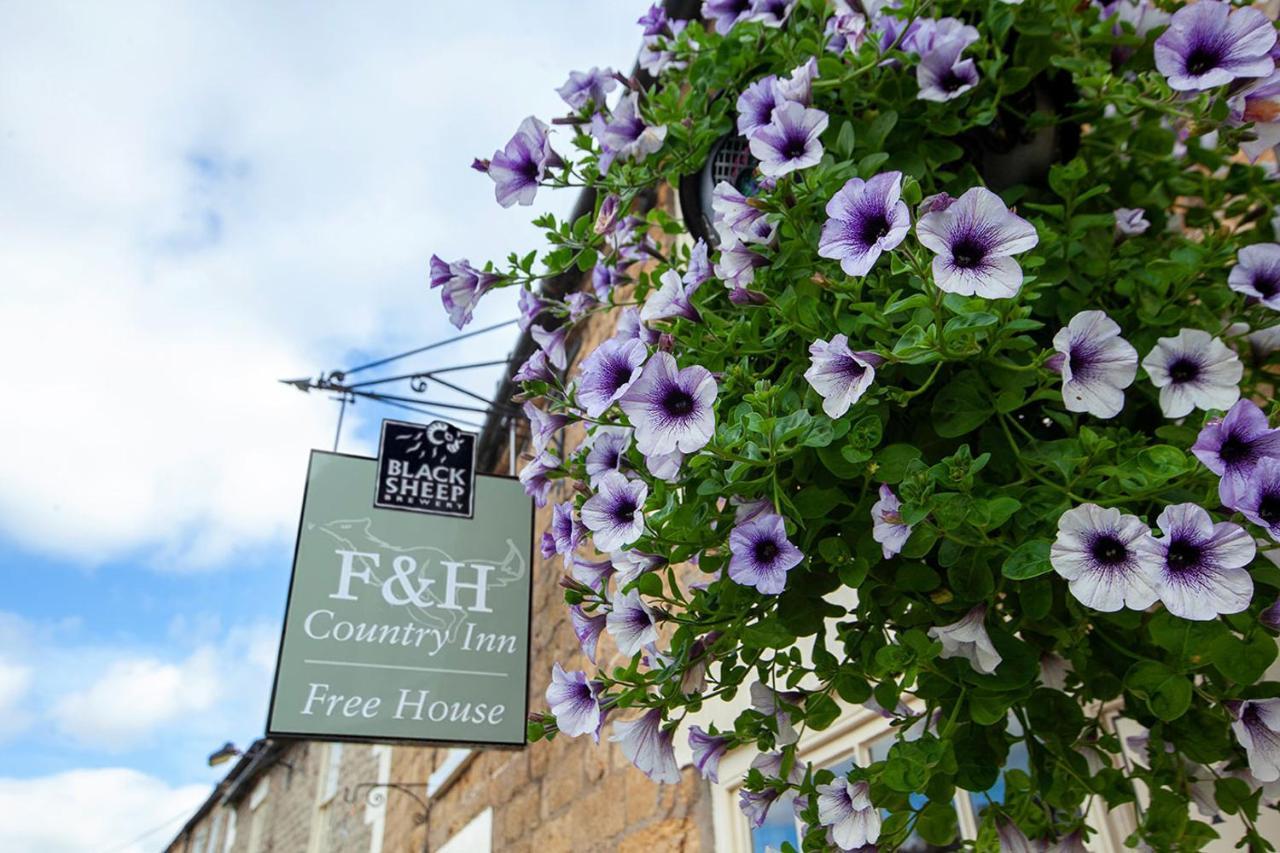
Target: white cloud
x=15 y=684
x=136 y=695
x=92 y=810
x=204 y=684
x=201 y=199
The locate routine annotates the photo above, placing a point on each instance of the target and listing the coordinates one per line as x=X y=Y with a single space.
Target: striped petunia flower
x=1193 y=370
x=648 y=746
x=1202 y=570
x=608 y=372
x=587 y=628
x=1258 y=497
x=761 y=555
x=1096 y=364
x=615 y=513
x=1109 y=559
x=707 y=751
x=671 y=408
x=840 y=375
x=1210 y=44
x=519 y=167
x=846 y=808
x=1257 y=274
x=575 y=703
x=864 y=219
x=461 y=286
x=1232 y=446
x=631 y=623
x=968 y=639
x=1257 y=728
x=973 y=240
x=790 y=141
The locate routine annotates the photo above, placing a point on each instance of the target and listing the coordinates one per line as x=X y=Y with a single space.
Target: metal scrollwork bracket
x=375 y=794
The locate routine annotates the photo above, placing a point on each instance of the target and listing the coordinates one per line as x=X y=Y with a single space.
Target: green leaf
x=962 y=405
x=1028 y=560
x=1167 y=692
x=1243 y=662
x=821 y=711
x=769 y=634
x=892 y=462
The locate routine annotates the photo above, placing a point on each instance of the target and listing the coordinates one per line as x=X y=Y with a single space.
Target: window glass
x=779 y=826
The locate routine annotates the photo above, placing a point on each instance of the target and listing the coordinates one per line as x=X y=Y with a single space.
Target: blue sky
x=201 y=199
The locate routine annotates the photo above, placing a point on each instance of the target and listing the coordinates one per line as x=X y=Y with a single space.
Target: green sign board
x=405 y=625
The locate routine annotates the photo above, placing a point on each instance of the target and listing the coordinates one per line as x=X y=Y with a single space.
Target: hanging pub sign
x=407 y=625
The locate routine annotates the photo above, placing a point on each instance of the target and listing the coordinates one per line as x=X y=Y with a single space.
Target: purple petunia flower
x=1258 y=498
x=770 y=702
x=580 y=304
x=1257 y=274
x=968 y=639
x=755 y=805
x=624 y=134
x=699 y=269
x=461 y=285
x=531 y=307
x=648 y=747
x=608 y=446
x=1013 y=839
x=1208 y=44
x=1232 y=446
x=587 y=87
x=737 y=265
x=726 y=13
x=551 y=341
x=604 y=278
x=591 y=573
x=846 y=29
x=1096 y=364
x=631 y=623
x=631 y=564
x=1258 y=103
x=656 y=55
x=654 y=21
x=575 y=703
x=864 y=219
x=1257 y=728
x=587 y=629
x=608 y=372
x=1202 y=570
x=629 y=327
x=1193 y=371
x=518 y=168
x=887 y=527
x=615 y=513
x=671 y=409
x=737 y=219
x=790 y=141
x=926 y=35
x=973 y=239
x=1108 y=558
x=846 y=807
x=535 y=369
x=1131 y=221
x=669 y=301
x=1270 y=617
x=534 y=476
x=761 y=554
x=566 y=530
x=664 y=466
x=707 y=750
x=840 y=375
x=543 y=426
x=942 y=75
x=771 y=13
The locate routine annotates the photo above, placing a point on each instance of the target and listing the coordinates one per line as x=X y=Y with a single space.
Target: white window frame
x=475 y=837
x=455 y=761
x=229 y=830
x=332 y=773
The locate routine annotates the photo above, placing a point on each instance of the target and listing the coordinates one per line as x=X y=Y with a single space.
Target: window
x=861 y=737
x=229 y=835
x=475 y=837
x=452 y=765
x=258 y=812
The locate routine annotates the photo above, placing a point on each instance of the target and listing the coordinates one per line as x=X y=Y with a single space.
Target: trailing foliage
x=963 y=341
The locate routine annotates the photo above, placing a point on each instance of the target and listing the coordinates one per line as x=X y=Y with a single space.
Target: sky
x=200 y=199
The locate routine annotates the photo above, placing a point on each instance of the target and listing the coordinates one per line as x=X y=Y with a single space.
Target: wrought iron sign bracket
x=375 y=794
